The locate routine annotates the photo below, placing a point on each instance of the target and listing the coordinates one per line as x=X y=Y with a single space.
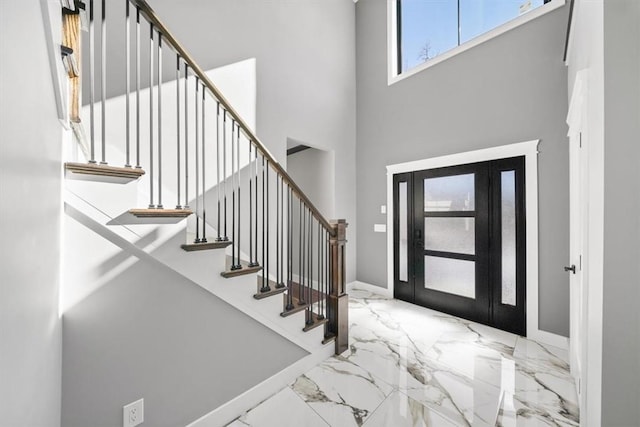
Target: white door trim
x=528 y=149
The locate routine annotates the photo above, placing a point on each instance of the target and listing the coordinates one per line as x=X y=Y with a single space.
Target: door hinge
x=580 y=139
x=580 y=262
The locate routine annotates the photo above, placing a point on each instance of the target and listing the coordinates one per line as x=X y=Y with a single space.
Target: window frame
x=393 y=38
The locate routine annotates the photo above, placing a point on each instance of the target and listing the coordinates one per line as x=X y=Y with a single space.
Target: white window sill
x=394 y=77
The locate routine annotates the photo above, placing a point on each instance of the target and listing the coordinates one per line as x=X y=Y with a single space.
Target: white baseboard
x=549 y=338
x=251 y=398
x=369 y=287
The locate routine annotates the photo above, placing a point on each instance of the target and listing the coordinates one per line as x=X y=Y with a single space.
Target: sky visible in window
x=430 y=27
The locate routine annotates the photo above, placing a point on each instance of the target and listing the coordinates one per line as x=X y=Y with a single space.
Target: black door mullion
x=452 y=255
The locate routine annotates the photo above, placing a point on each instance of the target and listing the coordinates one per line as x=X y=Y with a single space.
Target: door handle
x=571 y=269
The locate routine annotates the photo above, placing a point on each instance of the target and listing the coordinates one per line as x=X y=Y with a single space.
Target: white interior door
x=578 y=170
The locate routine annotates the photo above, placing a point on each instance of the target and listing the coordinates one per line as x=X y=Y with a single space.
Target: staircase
x=240 y=209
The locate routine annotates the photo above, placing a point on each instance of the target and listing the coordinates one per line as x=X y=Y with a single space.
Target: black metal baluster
x=127 y=41
x=289 y=305
x=103 y=80
x=178 y=163
x=235 y=251
x=250 y=167
x=186 y=136
x=204 y=170
x=310 y=260
x=92 y=76
x=218 y=182
x=281 y=284
x=265 y=279
x=267 y=265
x=277 y=231
x=239 y=194
x=197 y=155
x=151 y=46
x=300 y=258
x=138 y=166
x=320 y=272
x=255 y=228
x=224 y=170
x=159 y=206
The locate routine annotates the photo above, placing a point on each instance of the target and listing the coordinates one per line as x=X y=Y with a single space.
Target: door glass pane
x=453 y=276
x=449 y=193
x=450 y=235
x=403 y=260
x=508 y=209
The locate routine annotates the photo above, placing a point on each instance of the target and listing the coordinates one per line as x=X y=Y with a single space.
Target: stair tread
x=104 y=170
x=316 y=321
x=274 y=289
x=329 y=337
x=240 y=272
x=190 y=247
x=297 y=307
x=160 y=213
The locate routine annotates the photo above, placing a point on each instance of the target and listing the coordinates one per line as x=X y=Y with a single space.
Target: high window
x=427 y=29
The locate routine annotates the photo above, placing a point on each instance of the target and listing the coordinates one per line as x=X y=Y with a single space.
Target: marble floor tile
x=399 y=410
x=272 y=413
x=341 y=392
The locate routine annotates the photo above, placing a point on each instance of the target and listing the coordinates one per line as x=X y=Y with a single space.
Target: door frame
x=528 y=149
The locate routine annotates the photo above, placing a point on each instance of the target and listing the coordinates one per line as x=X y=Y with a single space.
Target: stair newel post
x=218 y=181
x=159 y=65
x=338 y=300
x=289 y=305
x=92 y=85
x=151 y=47
x=197 y=158
x=204 y=169
x=103 y=81
x=178 y=162
x=138 y=166
x=127 y=49
x=186 y=136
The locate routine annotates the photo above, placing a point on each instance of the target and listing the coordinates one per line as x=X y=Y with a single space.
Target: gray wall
x=313 y=171
x=509 y=89
x=30 y=182
x=621 y=323
x=151 y=333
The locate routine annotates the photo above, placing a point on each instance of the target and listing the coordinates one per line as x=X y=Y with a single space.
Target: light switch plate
x=383 y=209
x=133 y=414
x=380 y=228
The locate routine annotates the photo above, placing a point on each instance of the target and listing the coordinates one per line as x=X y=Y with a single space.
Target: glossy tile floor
x=410 y=366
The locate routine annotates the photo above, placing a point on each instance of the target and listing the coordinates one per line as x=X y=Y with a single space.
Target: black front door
x=459 y=241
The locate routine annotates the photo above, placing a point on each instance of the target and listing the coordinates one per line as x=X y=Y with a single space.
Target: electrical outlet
x=133 y=414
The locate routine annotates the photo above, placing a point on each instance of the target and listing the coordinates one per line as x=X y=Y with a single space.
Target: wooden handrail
x=153 y=18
